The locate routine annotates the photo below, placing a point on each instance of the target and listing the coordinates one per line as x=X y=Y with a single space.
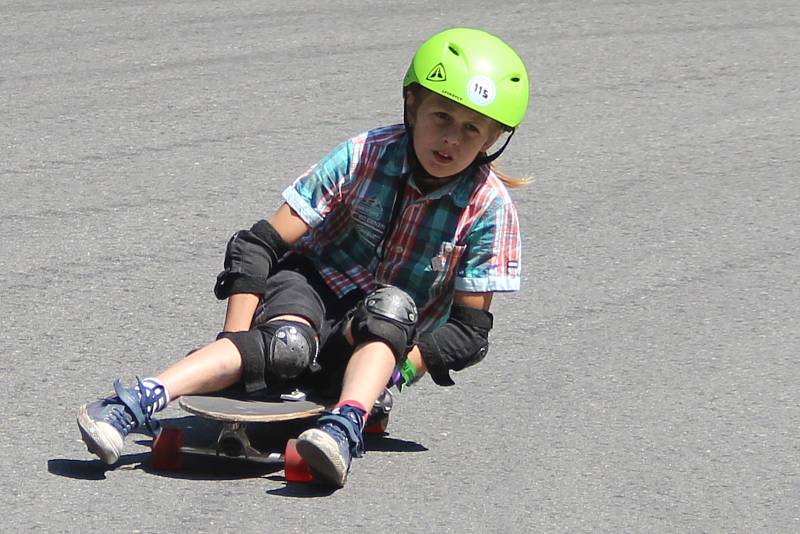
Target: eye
x=441 y=115
x=471 y=128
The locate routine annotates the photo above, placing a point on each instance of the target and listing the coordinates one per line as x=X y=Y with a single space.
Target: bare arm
x=288 y=224
x=242 y=306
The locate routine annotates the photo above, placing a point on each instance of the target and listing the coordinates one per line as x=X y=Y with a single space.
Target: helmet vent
x=515 y=79
x=454 y=50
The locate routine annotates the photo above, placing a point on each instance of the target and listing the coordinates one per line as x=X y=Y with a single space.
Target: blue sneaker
x=329 y=448
x=105 y=423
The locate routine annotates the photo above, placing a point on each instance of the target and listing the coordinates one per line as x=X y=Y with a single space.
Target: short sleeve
x=492 y=260
x=313 y=194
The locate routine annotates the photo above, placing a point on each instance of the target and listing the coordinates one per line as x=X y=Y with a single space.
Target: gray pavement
x=646 y=378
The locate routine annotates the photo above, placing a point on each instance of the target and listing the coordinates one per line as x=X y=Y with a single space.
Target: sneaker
x=105 y=423
x=329 y=448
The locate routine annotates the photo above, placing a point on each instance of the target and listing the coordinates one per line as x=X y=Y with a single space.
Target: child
x=380 y=265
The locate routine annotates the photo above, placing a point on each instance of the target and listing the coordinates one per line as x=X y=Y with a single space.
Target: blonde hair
x=419 y=93
x=508 y=180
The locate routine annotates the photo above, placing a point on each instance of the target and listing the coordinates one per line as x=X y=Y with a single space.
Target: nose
x=451 y=136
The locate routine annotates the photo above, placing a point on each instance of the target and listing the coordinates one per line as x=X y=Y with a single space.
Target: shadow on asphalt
x=383 y=443
x=92 y=469
x=300 y=491
x=210 y=468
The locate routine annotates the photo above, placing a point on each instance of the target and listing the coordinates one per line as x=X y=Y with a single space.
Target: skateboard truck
x=233 y=442
x=295 y=396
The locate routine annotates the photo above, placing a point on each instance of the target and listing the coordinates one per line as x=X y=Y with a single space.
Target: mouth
x=441 y=157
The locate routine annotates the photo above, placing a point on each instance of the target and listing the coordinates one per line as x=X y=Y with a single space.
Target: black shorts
x=296 y=288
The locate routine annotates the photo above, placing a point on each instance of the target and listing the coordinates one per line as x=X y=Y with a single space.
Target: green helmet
x=475 y=69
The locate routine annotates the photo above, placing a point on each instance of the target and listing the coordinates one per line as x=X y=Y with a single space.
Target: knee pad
x=387 y=314
x=290 y=347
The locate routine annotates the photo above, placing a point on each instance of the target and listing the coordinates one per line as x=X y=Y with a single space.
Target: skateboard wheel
x=295 y=468
x=166 y=454
x=377 y=425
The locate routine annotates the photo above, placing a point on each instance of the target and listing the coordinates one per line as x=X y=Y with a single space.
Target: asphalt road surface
x=644 y=380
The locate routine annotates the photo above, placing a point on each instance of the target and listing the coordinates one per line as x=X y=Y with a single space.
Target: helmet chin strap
x=486 y=159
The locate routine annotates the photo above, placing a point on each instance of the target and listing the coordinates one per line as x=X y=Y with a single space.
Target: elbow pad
x=463 y=341
x=249 y=259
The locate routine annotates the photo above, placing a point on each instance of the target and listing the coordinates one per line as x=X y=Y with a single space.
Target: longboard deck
x=244 y=409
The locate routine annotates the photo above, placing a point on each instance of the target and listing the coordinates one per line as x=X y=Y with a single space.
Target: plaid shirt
x=463 y=236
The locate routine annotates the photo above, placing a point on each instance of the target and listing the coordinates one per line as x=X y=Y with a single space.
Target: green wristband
x=408 y=371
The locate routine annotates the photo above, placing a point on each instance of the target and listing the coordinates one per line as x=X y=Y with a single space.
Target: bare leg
x=369 y=369
x=212 y=368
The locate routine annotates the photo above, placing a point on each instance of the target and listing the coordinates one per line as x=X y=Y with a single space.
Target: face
x=448 y=136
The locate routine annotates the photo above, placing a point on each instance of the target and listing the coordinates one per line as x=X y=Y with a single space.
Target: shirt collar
x=459 y=189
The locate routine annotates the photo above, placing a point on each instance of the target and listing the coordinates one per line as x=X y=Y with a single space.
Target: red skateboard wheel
x=166 y=454
x=377 y=425
x=295 y=468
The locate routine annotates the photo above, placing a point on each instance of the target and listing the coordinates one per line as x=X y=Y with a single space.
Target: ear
x=494 y=134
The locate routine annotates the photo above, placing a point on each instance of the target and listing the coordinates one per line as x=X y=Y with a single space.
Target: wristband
x=408 y=371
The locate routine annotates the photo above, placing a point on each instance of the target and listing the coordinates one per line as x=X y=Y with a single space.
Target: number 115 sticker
x=481 y=90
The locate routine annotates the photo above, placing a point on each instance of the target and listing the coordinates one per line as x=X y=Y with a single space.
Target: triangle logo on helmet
x=437 y=74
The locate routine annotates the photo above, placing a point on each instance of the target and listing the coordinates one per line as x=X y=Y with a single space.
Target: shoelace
x=120 y=419
x=148 y=400
x=135 y=407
